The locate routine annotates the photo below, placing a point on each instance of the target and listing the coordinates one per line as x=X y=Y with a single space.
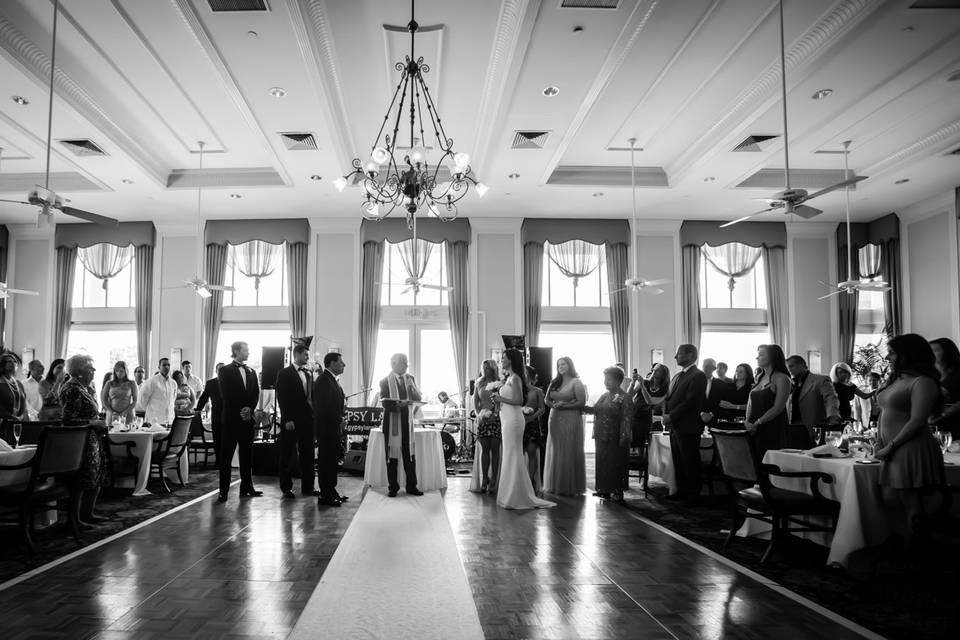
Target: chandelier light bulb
x=380 y=155
x=340 y=184
x=462 y=160
x=482 y=189
x=372 y=167
x=418 y=155
x=372 y=209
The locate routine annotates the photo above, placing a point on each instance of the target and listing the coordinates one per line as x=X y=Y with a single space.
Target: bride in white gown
x=515 y=490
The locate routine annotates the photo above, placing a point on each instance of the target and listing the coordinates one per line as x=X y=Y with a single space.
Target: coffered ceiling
x=145 y=80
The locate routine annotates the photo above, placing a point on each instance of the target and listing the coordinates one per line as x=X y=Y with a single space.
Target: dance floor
x=248 y=569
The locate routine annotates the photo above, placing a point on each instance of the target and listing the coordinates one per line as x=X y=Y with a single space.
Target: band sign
x=360 y=420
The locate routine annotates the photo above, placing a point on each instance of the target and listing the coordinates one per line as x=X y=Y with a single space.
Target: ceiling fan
x=5 y=291
x=851 y=284
x=199 y=285
x=44 y=197
x=791 y=200
x=635 y=283
x=415 y=283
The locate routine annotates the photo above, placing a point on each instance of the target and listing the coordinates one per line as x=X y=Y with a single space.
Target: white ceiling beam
x=933 y=143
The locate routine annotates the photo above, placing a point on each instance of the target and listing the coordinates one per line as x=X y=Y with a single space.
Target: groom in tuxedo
x=397 y=392
x=681 y=414
x=239 y=393
x=294 y=390
x=329 y=419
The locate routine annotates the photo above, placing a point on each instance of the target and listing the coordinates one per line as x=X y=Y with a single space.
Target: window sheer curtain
x=4 y=239
x=143 y=301
x=618 y=257
x=415 y=256
x=848 y=303
x=457 y=254
x=733 y=260
x=297 y=287
x=105 y=261
x=64 y=271
x=371 y=273
x=690 y=323
x=775 y=265
x=576 y=259
x=532 y=290
x=214 y=272
x=255 y=259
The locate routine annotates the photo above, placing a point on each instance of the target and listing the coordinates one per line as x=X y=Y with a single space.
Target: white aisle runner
x=396 y=574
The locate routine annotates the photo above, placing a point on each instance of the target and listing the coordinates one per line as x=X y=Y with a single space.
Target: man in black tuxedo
x=329 y=419
x=681 y=414
x=397 y=393
x=211 y=394
x=716 y=391
x=240 y=393
x=294 y=390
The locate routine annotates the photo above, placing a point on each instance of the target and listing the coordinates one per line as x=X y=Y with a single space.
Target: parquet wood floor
x=583 y=570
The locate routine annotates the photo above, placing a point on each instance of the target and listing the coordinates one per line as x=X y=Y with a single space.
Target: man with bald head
x=716 y=391
x=398 y=393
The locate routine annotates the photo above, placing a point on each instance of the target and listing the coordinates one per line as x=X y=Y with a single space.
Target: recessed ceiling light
x=235 y=195
x=578 y=29
x=316 y=177
x=127 y=181
x=21 y=100
x=252 y=34
x=953 y=77
x=709 y=179
x=902 y=181
x=908 y=28
x=551 y=91
x=598 y=194
x=513 y=176
x=278 y=92
x=821 y=94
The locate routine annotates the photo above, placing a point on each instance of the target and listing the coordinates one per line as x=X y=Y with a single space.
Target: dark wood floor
x=246 y=569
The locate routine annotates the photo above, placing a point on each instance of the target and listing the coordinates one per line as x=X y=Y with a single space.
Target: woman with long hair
x=515 y=491
x=842 y=375
x=13 y=397
x=767 y=406
x=612 y=426
x=734 y=403
x=948 y=364
x=911 y=456
x=565 y=471
x=119 y=395
x=647 y=394
x=50 y=391
x=185 y=401
x=488 y=425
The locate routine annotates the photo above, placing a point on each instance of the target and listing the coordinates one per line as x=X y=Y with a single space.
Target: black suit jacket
x=685 y=402
x=328 y=406
x=234 y=395
x=292 y=399
x=211 y=393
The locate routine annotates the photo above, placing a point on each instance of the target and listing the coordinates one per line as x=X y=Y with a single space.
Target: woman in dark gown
x=612 y=424
x=948 y=364
x=767 y=406
x=737 y=396
x=646 y=396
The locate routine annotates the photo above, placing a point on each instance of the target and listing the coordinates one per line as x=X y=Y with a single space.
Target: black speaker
x=541 y=359
x=271 y=363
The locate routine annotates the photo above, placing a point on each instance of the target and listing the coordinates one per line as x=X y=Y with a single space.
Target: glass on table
x=17 y=432
x=945 y=439
x=834 y=438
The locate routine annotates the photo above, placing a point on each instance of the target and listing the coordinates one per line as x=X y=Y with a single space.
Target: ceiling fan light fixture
x=20 y=100
x=278 y=92
x=598 y=194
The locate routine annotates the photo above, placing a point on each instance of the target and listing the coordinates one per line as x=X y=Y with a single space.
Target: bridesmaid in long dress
x=767 y=406
x=565 y=471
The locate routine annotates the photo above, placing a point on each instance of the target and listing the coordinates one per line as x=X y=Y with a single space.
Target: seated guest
x=722 y=372
x=31 y=386
x=734 y=403
x=119 y=395
x=533 y=433
x=13 y=399
x=948 y=364
x=50 y=392
x=840 y=375
x=79 y=401
x=612 y=424
x=813 y=401
x=449 y=409
x=767 y=406
x=647 y=395
x=184 y=400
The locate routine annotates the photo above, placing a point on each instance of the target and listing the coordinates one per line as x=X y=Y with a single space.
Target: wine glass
x=17 y=431
x=946 y=439
x=834 y=438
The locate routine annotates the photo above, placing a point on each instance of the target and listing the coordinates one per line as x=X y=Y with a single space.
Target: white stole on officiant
x=395 y=422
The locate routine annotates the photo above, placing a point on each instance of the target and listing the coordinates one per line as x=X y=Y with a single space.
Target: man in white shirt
x=157 y=396
x=32 y=388
x=191 y=380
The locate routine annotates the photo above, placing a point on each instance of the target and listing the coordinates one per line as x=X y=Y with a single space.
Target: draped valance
x=138 y=234
x=273 y=231
x=592 y=230
x=875 y=232
x=753 y=234
x=395 y=230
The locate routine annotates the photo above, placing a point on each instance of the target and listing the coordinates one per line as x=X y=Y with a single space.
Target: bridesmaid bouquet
x=493 y=387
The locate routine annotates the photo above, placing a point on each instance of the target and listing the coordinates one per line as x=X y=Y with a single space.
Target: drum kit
x=455 y=422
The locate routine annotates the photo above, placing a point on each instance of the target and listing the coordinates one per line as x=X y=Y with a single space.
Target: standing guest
x=488 y=425
x=734 y=404
x=107 y=377
x=767 y=406
x=294 y=397
x=13 y=398
x=647 y=395
x=79 y=402
x=948 y=364
x=240 y=394
x=31 y=386
x=329 y=422
x=612 y=426
x=138 y=375
x=157 y=396
x=722 y=372
x=813 y=402
x=533 y=411
x=119 y=395
x=398 y=394
x=716 y=390
x=184 y=400
x=565 y=471
x=211 y=394
x=50 y=392
x=681 y=415
x=911 y=455
x=192 y=381
x=840 y=376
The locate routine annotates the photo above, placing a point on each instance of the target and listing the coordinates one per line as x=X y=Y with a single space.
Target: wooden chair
x=29 y=430
x=167 y=452
x=59 y=456
x=638 y=459
x=125 y=465
x=201 y=440
x=781 y=508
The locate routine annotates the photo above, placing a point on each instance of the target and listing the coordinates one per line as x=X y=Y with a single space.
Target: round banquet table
x=660 y=458
x=143 y=445
x=428 y=453
x=24 y=453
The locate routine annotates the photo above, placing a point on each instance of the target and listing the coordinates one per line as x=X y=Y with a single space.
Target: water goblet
x=835 y=438
x=945 y=438
x=17 y=432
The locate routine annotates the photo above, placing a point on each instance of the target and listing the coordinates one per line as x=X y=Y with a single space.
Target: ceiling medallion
x=411 y=181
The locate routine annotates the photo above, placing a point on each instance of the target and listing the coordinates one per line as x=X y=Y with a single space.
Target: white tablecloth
x=143 y=445
x=864 y=520
x=660 y=458
x=19 y=455
x=428 y=452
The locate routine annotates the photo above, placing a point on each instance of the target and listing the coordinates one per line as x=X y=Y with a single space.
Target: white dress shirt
x=157 y=396
x=34 y=401
x=195 y=383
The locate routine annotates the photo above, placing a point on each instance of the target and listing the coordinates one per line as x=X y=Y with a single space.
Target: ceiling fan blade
x=834 y=187
x=407 y=290
x=203 y=292
x=806 y=212
x=832 y=293
x=15 y=201
x=654 y=291
x=619 y=290
x=22 y=292
x=733 y=222
x=217 y=287
x=89 y=217
x=437 y=287
x=658 y=281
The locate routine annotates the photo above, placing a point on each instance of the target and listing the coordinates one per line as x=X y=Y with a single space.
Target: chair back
x=29 y=430
x=737 y=455
x=60 y=450
x=180 y=431
x=196 y=426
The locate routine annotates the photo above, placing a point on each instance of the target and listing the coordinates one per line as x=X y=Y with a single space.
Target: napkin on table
x=828 y=449
x=5 y=446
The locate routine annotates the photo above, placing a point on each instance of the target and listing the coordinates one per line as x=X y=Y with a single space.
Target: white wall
x=30 y=267
x=498 y=279
x=811 y=259
x=655 y=320
x=337 y=297
x=176 y=310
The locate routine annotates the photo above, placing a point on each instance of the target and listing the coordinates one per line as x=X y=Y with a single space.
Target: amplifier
x=355 y=460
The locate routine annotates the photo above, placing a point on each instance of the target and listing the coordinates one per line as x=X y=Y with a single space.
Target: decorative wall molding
x=30 y=232
x=608 y=176
x=932 y=143
x=932 y=206
x=495 y=225
x=811 y=229
x=511 y=40
x=335 y=225
x=658 y=227
x=35 y=63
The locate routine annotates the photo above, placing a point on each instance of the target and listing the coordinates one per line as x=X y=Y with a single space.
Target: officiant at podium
x=398 y=392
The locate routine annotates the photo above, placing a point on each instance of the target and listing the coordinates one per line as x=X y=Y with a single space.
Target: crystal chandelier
x=414 y=182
